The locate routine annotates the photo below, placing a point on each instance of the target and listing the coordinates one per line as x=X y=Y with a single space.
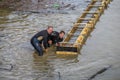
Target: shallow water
x=101 y=49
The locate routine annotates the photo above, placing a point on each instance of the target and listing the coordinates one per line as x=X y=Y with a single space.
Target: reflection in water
x=45 y=65
x=42 y=67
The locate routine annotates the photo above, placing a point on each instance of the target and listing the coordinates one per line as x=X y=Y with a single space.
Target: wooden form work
x=88 y=23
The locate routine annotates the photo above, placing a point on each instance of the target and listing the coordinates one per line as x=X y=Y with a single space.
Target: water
x=101 y=49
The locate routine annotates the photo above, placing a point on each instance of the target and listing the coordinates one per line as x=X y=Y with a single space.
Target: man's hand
x=46 y=50
x=57 y=44
x=40 y=38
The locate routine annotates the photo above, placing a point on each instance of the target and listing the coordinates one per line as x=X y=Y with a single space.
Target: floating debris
x=99 y=72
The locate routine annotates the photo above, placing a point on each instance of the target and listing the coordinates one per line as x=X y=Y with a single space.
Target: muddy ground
x=37 y=4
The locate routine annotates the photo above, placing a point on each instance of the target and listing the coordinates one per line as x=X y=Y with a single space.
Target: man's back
x=43 y=33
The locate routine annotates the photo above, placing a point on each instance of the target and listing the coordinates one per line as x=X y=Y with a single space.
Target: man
x=57 y=37
x=42 y=38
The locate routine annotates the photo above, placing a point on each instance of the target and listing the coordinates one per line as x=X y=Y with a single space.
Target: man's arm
x=45 y=42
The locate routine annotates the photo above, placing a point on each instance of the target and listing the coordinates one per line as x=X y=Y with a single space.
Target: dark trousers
x=35 y=43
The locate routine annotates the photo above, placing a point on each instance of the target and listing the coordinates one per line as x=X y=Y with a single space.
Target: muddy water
x=101 y=49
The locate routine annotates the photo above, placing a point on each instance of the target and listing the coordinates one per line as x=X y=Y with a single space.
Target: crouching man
x=42 y=38
x=57 y=37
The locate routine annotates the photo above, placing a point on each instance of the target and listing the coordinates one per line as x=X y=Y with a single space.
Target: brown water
x=101 y=49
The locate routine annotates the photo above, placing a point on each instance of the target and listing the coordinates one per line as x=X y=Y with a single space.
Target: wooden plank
x=72 y=34
x=65 y=52
x=91 y=12
x=86 y=25
x=86 y=19
x=96 y=6
x=70 y=43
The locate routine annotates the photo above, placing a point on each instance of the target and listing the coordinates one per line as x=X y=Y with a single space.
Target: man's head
x=50 y=29
x=61 y=34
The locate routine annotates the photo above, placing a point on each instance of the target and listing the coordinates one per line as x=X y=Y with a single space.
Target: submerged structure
x=82 y=28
